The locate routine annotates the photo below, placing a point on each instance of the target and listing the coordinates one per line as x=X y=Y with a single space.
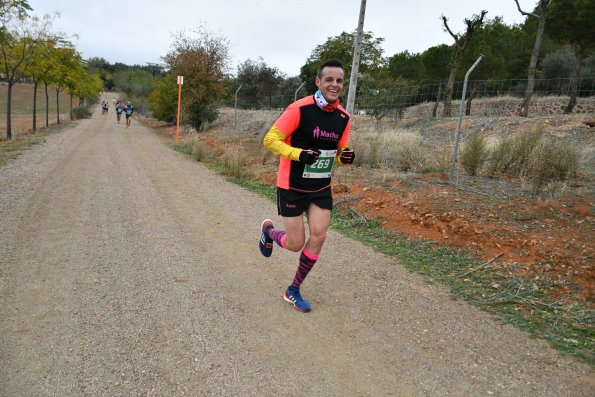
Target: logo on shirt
x=324 y=135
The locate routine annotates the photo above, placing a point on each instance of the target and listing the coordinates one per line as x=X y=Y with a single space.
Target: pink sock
x=278 y=236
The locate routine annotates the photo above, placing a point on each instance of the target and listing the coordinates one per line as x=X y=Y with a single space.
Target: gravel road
x=127 y=269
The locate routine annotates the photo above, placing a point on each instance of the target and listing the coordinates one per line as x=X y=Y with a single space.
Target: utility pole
x=180 y=82
x=235 y=111
x=356 y=55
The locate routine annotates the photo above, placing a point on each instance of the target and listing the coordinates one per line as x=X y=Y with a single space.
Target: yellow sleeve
x=339 y=151
x=274 y=140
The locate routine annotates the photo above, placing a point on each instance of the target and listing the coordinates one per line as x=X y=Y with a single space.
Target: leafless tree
x=542 y=7
x=461 y=42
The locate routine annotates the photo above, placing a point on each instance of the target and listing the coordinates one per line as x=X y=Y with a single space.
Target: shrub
x=80 y=113
x=474 y=154
x=523 y=146
x=552 y=161
x=501 y=156
x=163 y=99
x=512 y=154
x=200 y=114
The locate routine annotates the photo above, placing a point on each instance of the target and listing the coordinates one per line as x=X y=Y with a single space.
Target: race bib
x=323 y=167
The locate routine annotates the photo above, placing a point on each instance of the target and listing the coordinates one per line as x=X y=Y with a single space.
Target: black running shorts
x=292 y=203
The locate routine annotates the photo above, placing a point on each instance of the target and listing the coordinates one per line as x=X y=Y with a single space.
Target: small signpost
x=180 y=82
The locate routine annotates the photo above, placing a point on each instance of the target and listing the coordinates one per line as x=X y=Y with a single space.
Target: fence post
x=296 y=91
x=456 y=145
x=235 y=110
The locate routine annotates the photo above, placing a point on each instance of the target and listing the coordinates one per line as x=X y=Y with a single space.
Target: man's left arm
x=344 y=154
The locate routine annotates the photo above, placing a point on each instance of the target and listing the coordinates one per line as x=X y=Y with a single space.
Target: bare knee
x=294 y=245
x=318 y=237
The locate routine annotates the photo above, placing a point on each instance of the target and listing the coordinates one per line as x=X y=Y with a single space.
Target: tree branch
x=454 y=36
x=483 y=265
x=478 y=20
x=523 y=12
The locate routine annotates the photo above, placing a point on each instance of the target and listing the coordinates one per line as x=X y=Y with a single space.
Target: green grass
x=510 y=299
x=184 y=147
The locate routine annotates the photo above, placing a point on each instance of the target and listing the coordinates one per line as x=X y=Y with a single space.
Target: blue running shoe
x=292 y=295
x=266 y=243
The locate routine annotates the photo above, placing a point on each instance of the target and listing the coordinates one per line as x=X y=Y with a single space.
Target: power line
x=242 y=14
x=251 y=22
x=233 y=8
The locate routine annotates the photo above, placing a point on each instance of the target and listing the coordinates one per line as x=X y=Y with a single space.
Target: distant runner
x=129 y=110
x=104 y=107
x=119 y=110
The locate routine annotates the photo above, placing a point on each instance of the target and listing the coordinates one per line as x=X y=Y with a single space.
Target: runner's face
x=330 y=83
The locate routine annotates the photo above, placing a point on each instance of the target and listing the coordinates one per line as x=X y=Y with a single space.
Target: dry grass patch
x=399 y=150
x=403 y=151
x=200 y=150
x=234 y=161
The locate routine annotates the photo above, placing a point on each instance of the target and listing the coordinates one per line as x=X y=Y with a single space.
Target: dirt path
x=127 y=269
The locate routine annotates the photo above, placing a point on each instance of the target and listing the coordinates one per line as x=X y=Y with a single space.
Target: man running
x=310 y=135
x=119 y=110
x=128 y=110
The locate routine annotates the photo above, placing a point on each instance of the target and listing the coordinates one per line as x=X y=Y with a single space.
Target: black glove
x=347 y=156
x=309 y=156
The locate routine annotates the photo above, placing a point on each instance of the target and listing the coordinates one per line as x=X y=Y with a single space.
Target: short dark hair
x=333 y=63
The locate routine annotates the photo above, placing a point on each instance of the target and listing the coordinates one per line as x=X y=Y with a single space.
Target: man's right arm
x=274 y=140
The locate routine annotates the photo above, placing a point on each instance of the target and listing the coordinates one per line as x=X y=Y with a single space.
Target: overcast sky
x=282 y=32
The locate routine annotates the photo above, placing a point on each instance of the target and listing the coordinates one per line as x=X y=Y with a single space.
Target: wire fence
x=428 y=98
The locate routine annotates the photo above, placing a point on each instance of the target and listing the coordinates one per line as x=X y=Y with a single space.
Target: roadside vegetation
x=80 y=113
